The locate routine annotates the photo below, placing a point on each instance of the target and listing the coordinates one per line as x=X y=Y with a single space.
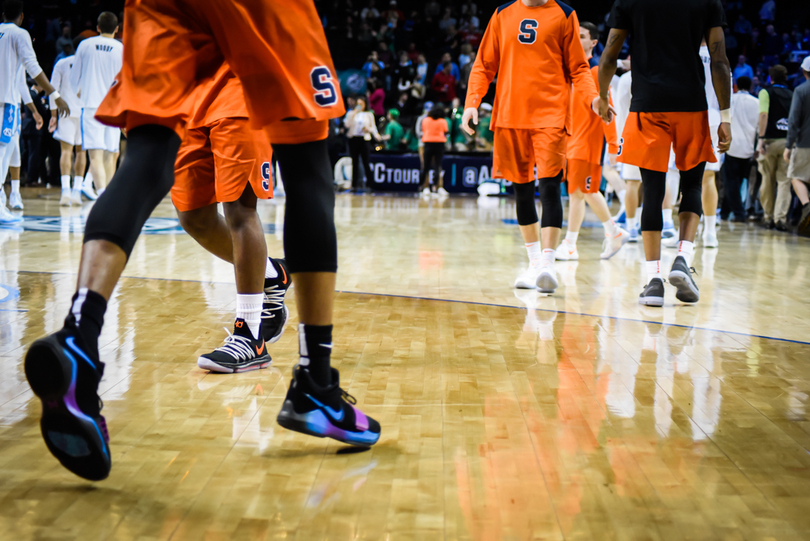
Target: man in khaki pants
x=798 y=147
x=774 y=109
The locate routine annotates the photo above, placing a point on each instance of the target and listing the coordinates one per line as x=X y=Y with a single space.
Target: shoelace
x=236 y=346
x=347 y=397
x=275 y=297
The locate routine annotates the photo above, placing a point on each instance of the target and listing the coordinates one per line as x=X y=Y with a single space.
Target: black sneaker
x=804 y=222
x=681 y=277
x=326 y=411
x=274 y=311
x=64 y=374
x=653 y=294
x=240 y=352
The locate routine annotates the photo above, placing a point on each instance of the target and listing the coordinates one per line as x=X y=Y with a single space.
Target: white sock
x=667 y=215
x=535 y=251
x=653 y=270
x=77 y=183
x=632 y=223
x=548 y=257
x=88 y=180
x=270 y=271
x=610 y=228
x=15 y=186
x=687 y=250
x=711 y=224
x=65 y=179
x=620 y=196
x=572 y=236
x=249 y=308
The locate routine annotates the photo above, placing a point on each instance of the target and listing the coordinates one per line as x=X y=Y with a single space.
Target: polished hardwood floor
x=505 y=415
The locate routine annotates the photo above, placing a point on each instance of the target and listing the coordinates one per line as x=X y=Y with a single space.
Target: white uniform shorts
x=97 y=136
x=69 y=130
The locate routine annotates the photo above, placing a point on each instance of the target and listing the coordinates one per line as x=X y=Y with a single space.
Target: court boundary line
x=474 y=303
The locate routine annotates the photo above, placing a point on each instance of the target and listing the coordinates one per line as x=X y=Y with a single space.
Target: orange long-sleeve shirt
x=537 y=55
x=588 y=131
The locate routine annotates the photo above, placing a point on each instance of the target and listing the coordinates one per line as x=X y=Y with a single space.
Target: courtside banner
x=400 y=172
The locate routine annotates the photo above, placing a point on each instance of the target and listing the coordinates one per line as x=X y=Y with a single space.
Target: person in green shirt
x=484 y=137
x=394 y=134
x=459 y=140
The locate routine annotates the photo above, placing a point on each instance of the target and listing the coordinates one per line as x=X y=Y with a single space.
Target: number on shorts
x=266 y=176
x=621 y=145
x=528 y=31
x=324 y=85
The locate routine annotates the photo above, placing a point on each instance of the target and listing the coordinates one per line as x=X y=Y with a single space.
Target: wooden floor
x=504 y=415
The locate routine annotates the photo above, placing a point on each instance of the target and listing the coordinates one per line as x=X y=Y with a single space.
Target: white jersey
x=621 y=100
x=96 y=63
x=15 y=50
x=711 y=96
x=60 y=80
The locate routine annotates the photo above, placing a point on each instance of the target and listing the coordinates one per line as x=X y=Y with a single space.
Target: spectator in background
x=458 y=140
x=434 y=136
x=417 y=129
x=64 y=39
x=454 y=71
x=392 y=12
x=66 y=51
x=743 y=26
x=421 y=70
x=432 y=9
x=465 y=76
x=413 y=54
x=444 y=84
x=743 y=70
x=373 y=59
x=376 y=97
x=771 y=46
x=360 y=128
x=394 y=134
x=767 y=13
x=737 y=165
x=464 y=57
x=404 y=73
x=483 y=135
x=447 y=19
x=369 y=13
x=797 y=151
x=774 y=109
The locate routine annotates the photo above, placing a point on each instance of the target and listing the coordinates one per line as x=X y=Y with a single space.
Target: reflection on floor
x=506 y=415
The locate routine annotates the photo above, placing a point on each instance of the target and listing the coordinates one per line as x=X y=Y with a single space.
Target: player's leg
x=615 y=236
x=79 y=167
x=670 y=197
x=567 y=250
x=652 y=222
x=15 y=197
x=109 y=163
x=689 y=217
x=97 y=169
x=631 y=201
x=65 y=167
x=800 y=187
x=112 y=228
x=6 y=153
x=550 y=229
x=710 y=199
x=611 y=174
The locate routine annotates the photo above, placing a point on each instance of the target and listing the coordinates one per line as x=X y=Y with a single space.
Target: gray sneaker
x=653 y=294
x=681 y=277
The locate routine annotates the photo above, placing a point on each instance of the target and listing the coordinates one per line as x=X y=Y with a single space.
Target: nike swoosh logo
x=284 y=281
x=326 y=346
x=70 y=342
x=336 y=416
x=260 y=350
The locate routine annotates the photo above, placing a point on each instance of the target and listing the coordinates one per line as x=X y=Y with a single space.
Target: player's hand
x=612 y=159
x=38 y=120
x=786 y=155
x=724 y=137
x=470 y=113
x=62 y=105
x=603 y=109
x=52 y=123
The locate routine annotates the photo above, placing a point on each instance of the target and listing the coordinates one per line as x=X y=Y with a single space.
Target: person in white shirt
x=68 y=132
x=97 y=61
x=360 y=128
x=15 y=198
x=745 y=118
x=16 y=50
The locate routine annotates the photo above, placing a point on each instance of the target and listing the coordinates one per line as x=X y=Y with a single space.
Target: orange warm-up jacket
x=588 y=131
x=537 y=55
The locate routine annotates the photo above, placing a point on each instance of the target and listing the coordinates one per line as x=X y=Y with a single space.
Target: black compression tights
x=655 y=185
x=549 y=189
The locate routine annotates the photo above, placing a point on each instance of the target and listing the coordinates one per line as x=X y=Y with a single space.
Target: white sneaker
x=547 y=280
x=528 y=278
x=610 y=246
x=2 y=196
x=442 y=191
x=15 y=201
x=710 y=240
x=87 y=191
x=65 y=200
x=670 y=242
x=76 y=196
x=669 y=230
x=6 y=217
x=566 y=251
x=426 y=192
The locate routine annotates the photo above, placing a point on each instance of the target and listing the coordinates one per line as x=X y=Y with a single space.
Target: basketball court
x=504 y=416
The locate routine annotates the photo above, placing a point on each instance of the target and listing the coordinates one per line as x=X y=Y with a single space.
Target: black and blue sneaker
x=326 y=412
x=64 y=374
x=274 y=311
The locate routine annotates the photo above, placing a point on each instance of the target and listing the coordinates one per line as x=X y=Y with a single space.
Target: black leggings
x=550 y=199
x=433 y=154
x=358 y=148
x=654 y=184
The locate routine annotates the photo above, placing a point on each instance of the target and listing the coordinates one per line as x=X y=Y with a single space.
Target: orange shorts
x=583 y=176
x=515 y=153
x=647 y=139
x=277 y=49
x=216 y=162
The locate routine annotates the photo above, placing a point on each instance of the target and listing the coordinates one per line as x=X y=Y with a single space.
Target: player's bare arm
x=607 y=69
x=721 y=80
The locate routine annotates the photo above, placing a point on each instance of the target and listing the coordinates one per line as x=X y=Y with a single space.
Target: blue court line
x=475 y=303
x=11 y=310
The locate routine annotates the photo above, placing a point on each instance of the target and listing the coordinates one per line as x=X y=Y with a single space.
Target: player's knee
x=550 y=197
x=196 y=223
x=524 y=203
